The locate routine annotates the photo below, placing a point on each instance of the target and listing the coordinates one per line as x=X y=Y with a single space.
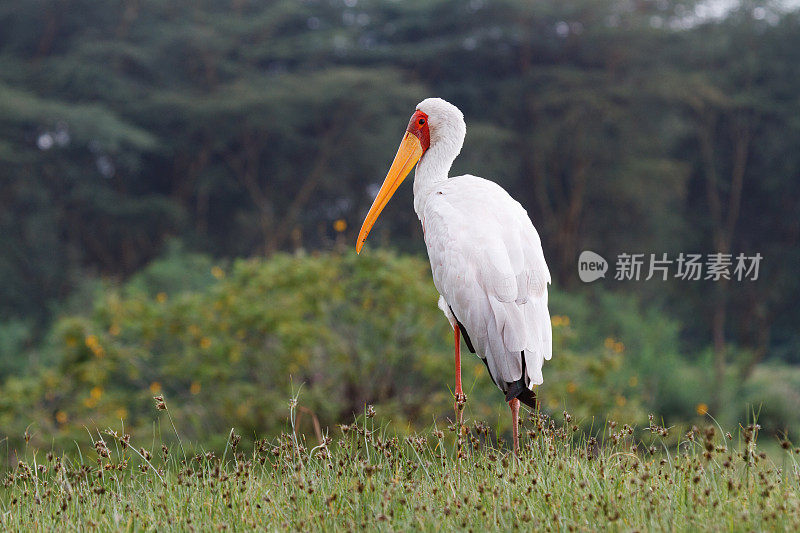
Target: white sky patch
x=711 y=10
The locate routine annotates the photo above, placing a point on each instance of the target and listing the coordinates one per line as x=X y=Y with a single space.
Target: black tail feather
x=519 y=391
x=463 y=332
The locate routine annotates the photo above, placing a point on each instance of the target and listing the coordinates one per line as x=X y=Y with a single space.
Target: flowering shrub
x=228 y=347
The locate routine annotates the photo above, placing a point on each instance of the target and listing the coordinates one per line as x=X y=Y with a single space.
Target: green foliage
x=345 y=329
x=245 y=129
x=15 y=335
x=177 y=271
x=86 y=122
x=773 y=396
x=612 y=358
x=227 y=347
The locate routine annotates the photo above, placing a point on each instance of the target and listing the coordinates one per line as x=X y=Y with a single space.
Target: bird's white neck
x=433 y=168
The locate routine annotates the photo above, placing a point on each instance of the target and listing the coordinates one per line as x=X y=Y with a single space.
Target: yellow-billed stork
x=486 y=257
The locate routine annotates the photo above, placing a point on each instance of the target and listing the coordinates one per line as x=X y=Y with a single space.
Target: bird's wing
x=488 y=264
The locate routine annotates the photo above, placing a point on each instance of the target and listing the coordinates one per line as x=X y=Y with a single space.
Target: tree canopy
x=254 y=128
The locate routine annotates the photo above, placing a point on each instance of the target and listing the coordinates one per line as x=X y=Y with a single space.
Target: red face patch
x=418 y=126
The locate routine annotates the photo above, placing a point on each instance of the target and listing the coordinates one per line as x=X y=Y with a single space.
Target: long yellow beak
x=407 y=156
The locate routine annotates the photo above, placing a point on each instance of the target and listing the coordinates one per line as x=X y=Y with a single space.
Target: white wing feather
x=488 y=265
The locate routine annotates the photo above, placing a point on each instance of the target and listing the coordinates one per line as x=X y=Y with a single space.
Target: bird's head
x=436 y=126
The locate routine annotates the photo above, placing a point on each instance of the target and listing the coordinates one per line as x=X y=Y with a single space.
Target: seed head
x=101 y=448
x=160 y=403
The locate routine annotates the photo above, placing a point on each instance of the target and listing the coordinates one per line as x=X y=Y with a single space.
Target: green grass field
x=448 y=479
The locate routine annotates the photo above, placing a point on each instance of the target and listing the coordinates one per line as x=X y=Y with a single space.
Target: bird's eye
x=421 y=121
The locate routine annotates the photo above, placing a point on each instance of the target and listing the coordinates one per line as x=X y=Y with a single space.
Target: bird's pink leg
x=461 y=398
x=514 y=405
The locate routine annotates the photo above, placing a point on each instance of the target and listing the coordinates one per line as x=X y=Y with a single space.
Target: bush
x=772 y=396
x=229 y=346
x=611 y=358
x=347 y=330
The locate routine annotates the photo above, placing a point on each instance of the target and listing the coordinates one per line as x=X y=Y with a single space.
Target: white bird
x=486 y=256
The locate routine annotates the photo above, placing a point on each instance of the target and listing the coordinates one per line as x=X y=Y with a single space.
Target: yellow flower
x=90 y=402
x=96 y=392
x=633 y=381
x=114 y=330
x=340 y=225
x=571 y=387
x=161 y=297
x=619 y=347
x=71 y=342
x=621 y=400
x=565 y=320
x=121 y=413
x=61 y=417
x=702 y=409
x=609 y=342
x=555 y=320
x=194 y=330
x=217 y=272
x=155 y=387
x=205 y=343
x=195 y=387
x=94 y=345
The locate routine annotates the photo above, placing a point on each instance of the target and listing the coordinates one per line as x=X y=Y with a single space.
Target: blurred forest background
x=181 y=184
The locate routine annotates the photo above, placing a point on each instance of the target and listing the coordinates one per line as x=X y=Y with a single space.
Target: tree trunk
x=724 y=216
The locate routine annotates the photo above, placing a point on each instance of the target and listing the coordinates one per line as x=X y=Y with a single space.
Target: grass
x=457 y=479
